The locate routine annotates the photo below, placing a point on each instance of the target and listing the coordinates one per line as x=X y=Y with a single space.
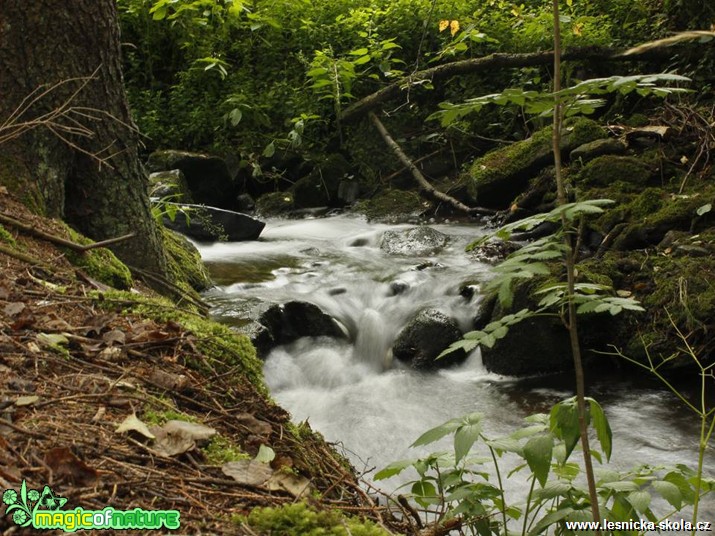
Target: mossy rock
x=170 y=185
x=498 y=177
x=392 y=206
x=299 y=519
x=651 y=220
x=275 y=203
x=184 y=262
x=608 y=169
x=99 y=263
x=678 y=295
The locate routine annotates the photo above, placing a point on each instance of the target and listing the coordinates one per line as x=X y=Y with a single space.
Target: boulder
x=415 y=241
x=608 y=169
x=425 y=337
x=210 y=223
x=275 y=203
x=170 y=185
x=281 y=324
x=321 y=186
x=207 y=176
x=591 y=150
x=537 y=345
x=498 y=177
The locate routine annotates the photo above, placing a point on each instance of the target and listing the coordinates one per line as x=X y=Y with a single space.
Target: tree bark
x=80 y=164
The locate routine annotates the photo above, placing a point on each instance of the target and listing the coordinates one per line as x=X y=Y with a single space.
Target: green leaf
x=640 y=500
x=393 y=469
x=358 y=52
x=564 y=423
x=270 y=150
x=437 y=433
x=537 y=453
x=425 y=493
x=551 y=490
x=603 y=429
x=265 y=454
x=670 y=492
x=466 y=435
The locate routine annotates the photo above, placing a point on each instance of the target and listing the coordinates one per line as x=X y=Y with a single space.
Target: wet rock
x=415 y=241
x=275 y=203
x=287 y=322
x=589 y=151
x=397 y=287
x=494 y=251
x=207 y=176
x=170 y=184
x=211 y=223
x=245 y=203
x=425 y=337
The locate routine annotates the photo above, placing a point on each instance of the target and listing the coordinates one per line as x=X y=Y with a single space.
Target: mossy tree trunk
x=92 y=178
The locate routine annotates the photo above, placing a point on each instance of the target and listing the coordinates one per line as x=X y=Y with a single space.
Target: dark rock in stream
x=210 y=223
x=284 y=323
x=208 y=177
x=423 y=339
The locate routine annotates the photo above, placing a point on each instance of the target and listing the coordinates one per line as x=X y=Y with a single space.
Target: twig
x=81 y=248
x=430 y=190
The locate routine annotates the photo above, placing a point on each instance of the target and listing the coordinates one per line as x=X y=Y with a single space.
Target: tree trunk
x=80 y=162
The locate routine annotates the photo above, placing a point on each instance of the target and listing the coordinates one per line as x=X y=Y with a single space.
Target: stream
x=357 y=397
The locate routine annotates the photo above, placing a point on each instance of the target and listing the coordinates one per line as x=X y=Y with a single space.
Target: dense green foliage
x=244 y=76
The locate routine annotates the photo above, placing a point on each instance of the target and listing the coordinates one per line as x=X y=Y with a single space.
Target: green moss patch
x=604 y=170
x=6 y=237
x=185 y=265
x=498 y=177
x=99 y=263
x=301 y=520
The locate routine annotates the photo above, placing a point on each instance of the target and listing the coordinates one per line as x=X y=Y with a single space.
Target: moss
x=392 y=206
x=221 y=450
x=99 y=263
x=607 y=169
x=159 y=416
x=497 y=177
x=299 y=519
x=185 y=265
x=5 y=236
x=224 y=350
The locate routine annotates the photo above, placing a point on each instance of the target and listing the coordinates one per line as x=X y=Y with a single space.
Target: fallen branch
x=21 y=256
x=80 y=248
x=424 y=184
x=492 y=61
x=161 y=283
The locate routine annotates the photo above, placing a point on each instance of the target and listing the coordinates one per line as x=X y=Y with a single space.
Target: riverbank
x=124 y=399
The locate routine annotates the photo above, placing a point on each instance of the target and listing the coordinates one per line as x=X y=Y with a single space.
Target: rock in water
x=416 y=241
x=423 y=339
x=211 y=223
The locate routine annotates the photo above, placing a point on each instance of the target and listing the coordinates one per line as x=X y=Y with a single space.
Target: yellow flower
x=454 y=27
x=443 y=25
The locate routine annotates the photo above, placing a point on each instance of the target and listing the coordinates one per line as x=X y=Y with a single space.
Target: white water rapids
x=355 y=396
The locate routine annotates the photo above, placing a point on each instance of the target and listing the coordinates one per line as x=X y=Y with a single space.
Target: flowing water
x=355 y=395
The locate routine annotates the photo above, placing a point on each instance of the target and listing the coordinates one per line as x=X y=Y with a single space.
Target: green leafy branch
x=576 y=99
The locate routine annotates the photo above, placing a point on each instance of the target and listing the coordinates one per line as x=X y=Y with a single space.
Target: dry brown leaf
x=255 y=426
x=65 y=464
x=115 y=336
x=133 y=424
x=14 y=308
x=168 y=380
